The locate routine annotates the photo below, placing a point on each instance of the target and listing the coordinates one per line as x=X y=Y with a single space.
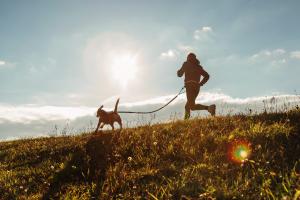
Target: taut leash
x=153 y=111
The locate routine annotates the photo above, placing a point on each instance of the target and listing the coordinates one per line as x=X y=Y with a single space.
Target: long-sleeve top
x=192 y=73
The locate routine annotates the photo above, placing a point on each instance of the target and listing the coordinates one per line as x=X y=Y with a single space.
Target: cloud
x=33 y=120
x=279 y=51
x=204 y=34
x=269 y=58
x=269 y=53
x=206 y=29
x=185 y=48
x=276 y=57
x=211 y=97
x=2 y=62
x=5 y=64
x=28 y=113
x=295 y=54
x=180 y=50
x=170 y=54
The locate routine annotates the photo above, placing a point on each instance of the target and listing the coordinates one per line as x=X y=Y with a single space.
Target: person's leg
x=200 y=107
x=189 y=103
x=195 y=106
x=187 y=113
x=211 y=109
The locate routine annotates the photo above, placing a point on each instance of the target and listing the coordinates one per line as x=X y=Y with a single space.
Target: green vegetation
x=177 y=160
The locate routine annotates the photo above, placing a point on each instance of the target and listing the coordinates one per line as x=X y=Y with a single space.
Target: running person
x=192 y=82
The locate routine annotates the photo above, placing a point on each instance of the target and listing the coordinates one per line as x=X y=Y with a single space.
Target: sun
x=124 y=68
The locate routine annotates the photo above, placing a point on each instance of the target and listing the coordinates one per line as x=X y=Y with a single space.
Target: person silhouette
x=193 y=71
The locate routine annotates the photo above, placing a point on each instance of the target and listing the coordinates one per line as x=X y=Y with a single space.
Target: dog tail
x=116 y=106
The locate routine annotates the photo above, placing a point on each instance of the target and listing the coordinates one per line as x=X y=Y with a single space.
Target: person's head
x=191 y=57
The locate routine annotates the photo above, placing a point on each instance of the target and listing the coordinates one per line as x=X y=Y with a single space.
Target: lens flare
x=239 y=151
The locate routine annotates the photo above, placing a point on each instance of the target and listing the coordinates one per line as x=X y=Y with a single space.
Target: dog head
x=99 y=111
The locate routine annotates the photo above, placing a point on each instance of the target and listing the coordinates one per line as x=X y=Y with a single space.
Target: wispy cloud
x=204 y=34
x=185 y=48
x=276 y=57
x=269 y=53
x=169 y=54
x=206 y=29
x=5 y=64
x=2 y=62
x=295 y=54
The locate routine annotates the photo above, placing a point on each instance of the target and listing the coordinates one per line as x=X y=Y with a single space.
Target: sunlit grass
x=181 y=159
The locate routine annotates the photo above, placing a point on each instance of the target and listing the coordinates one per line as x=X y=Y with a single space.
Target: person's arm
x=180 y=72
x=205 y=77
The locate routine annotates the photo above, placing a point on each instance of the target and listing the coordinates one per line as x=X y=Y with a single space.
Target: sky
x=60 y=60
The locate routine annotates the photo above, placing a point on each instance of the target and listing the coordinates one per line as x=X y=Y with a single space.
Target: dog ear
x=101 y=107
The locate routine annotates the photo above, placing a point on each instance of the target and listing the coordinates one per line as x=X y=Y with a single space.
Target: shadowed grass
x=182 y=159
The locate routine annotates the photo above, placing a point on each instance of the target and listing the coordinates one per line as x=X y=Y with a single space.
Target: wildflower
x=134 y=187
x=284 y=198
x=120 y=195
x=247 y=183
x=52 y=167
x=129 y=159
x=205 y=194
x=154 y=143
x=272 y=173
x=21 y=187
x=231 y=136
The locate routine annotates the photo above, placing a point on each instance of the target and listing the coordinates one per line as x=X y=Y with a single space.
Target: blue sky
x=74 y=53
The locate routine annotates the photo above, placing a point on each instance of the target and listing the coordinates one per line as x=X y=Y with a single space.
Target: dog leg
x=99 y=122
x=112 y=126
x=120 y=124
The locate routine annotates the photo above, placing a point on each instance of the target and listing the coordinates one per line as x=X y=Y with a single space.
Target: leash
x=153 y=111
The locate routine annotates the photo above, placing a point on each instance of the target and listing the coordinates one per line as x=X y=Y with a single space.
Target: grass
x=177 y=160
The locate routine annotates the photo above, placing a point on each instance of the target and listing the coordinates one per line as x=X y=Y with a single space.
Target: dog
x=108 y=117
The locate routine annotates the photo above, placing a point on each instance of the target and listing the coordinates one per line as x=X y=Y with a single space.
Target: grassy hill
x=179 y=160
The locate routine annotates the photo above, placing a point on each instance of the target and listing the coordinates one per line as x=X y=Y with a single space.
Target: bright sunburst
x=124 y=68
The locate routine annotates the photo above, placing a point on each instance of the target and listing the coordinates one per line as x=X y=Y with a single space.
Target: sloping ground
x=183 y=159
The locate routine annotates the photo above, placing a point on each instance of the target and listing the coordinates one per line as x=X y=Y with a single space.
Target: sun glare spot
x=124 y=68
x=243 y=154
x=239 y=151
